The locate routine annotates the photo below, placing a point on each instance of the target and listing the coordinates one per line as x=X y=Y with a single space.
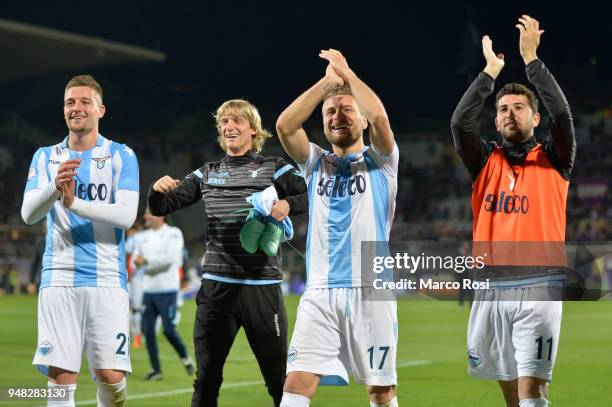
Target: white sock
x=65 y=402
x=294 y=400
x=392 y=403
x=533 y=403
x=112 y=395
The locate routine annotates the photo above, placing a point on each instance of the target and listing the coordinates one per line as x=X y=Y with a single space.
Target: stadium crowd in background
x=433 y=194
x=74 y=261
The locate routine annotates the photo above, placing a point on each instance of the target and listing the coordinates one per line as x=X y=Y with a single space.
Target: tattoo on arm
x=328 y=87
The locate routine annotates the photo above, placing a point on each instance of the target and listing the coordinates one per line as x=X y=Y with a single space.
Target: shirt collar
x=241 y=159
x=526 y=145
x=99 y=141
x=517 y=152
x=349 y=158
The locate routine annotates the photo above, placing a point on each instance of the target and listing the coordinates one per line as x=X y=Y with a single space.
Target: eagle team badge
x=100 y=161
x=254 y=172
x=292 y=354
x=474 y=358
x=45 y=348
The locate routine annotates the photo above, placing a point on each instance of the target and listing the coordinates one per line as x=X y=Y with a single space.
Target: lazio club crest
x=292 y=354
x=474 y=358
x=45 y=348
x=254 y=173
x=100 y=161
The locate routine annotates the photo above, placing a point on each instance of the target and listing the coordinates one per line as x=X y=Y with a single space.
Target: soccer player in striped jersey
x=87 y=189
x=351 y=193
x=519 y=196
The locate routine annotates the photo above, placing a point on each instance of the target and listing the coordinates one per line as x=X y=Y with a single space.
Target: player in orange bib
x=519 y=202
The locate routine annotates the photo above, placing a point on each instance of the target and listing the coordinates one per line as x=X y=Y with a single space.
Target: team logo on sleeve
x=45 y=348
x=31 y=173
x=100 y=161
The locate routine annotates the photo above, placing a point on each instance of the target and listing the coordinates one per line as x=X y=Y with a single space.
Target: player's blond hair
x=246 y=110
x=338 y=91
x=85 y=80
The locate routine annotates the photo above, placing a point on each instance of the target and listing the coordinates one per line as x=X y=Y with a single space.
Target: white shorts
x=74 y=319
x=510 y=339
x=338 y=333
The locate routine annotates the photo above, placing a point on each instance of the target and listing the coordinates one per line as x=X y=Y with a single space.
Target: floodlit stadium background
x=164 y=69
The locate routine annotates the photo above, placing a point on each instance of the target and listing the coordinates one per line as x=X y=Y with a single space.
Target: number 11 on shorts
x=372 y=350
x=549 y=342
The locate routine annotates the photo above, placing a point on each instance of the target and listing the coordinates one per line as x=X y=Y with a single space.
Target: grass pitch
x=431 y=361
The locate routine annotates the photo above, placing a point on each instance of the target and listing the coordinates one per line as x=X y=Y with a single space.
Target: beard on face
x=83 y=127
x=78 y=129
x=346 y=137
x=344 y=140
x=516 y=135
x=519 y=129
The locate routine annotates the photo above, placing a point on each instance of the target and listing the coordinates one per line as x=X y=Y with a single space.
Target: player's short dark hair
x=338 y=90
x=85 y=80
x=518 y=89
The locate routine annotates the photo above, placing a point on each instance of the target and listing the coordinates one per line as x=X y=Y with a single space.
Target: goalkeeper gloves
x=257 y=234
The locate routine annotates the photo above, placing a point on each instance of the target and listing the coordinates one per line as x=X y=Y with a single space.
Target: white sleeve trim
x=38 y=202
x=313 y=156
x=388 y=163
x=120 y=214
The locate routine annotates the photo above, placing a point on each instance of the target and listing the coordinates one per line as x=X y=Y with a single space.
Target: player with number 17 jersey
x=342 y=328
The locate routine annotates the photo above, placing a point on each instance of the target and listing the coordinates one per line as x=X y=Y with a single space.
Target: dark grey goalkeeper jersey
x=223 y=187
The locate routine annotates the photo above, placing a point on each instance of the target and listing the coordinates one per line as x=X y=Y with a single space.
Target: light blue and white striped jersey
x=351 y=199
x=80 y=252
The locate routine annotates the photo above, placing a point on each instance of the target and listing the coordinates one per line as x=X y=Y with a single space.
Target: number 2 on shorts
x=120 y=349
